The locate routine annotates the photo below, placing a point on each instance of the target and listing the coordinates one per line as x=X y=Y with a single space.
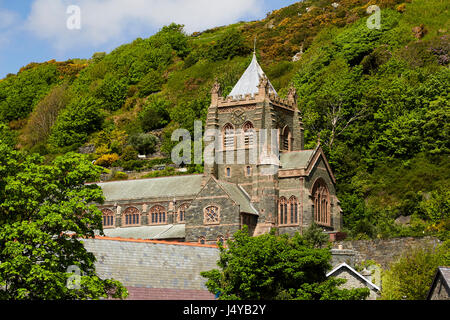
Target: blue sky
x=37 y=30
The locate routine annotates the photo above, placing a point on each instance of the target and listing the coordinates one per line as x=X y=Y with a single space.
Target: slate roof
x=164 y=187
x=170 y=231
x=249 y=81
x=444 y=273
x=296 y=159
x=238 y=195
x=356 y=273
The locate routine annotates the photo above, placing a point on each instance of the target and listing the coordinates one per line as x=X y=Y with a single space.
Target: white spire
x=249 y=81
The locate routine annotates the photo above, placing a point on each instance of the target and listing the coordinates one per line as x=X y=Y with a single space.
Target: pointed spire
x=250 y=80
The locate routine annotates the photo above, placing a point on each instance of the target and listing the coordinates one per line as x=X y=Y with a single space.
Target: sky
x=42 y=30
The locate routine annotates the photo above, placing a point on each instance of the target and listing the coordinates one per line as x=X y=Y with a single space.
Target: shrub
x=129 y=153
x=106 y=160
x=155 y=114
x=152 y=82
x=118 y=175
x=144 y=143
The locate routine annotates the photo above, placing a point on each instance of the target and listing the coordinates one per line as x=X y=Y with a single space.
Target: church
x=265 y=179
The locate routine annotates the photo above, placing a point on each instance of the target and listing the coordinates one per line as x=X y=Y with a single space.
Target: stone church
x=266 y=181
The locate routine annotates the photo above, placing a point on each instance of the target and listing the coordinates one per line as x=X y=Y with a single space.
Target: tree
x=45 y=211
x=410 y=277
x=74 y=124
x=45 y=115
x=144 y=143
x=271 y=267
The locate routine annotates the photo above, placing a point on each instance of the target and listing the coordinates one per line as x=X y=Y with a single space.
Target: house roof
x=238 y=195
x=296 y=159
x=443 y=272
x=164 y=187
x=249 y=81
x=356 y=273
x=170 y=231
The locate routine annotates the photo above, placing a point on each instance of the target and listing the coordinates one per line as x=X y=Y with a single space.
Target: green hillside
x=379 y=98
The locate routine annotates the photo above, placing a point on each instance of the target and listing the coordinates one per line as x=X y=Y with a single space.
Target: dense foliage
x=411 y=276
x=271 y=267
x=44 y=212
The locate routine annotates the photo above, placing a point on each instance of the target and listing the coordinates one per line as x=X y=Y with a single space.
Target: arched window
x=293 y=210
x=321 y=200
x=228 y=172
x=108 y=218
x=228 y=136
x=286 y=136
x=132 y=216
x=221 y=240
x=282 y=211
x=158 y=215
x=202 y=240
x=248 y=171
x=249 y=133
x=211 y=215
x=182 y=213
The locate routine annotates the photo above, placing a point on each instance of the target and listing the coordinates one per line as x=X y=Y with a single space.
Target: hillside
x=379 y=98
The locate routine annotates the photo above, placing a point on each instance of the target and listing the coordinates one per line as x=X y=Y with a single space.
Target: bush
x=81 y=117
x=155 y=114
x=129 y=153
x=229 y=45
x=106 y=160
x=410 y=277
x=152 y=82
x=118 y=175
x=144 y=143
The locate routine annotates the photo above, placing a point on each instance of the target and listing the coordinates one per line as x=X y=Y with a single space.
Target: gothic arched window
x=293 y=210
x=321 y=200
x=228 y=136
x=282 y=211
x=211 y=215
x=158 y=214
x=108 y=218
x=286 y=139
x=182 y=212
x=249 y=133
x=132 y=216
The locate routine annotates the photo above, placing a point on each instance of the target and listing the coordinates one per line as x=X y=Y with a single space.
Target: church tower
x=253 y=125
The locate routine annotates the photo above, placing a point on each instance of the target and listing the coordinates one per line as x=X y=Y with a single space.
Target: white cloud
x=104 y=21
x=7 y=25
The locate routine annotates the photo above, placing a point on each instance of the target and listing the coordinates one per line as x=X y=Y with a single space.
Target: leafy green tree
x=228 y=45
x=315 y=237
x=152 y=82
x=144 y=143
x=410 y=277
x=155 y=114
x=271 y=267
x=74 y=124
x=7 y=136
x=45 y=212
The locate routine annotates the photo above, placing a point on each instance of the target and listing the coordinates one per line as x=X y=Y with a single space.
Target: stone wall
x=154 y=270
x=382 y=251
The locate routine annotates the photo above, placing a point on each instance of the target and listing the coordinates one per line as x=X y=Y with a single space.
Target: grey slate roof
x=176 y=186
x=170 y=231
x=238 y=195
x=249 y=81
x=296 y=159
x=152 y=265
x=356 y=273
